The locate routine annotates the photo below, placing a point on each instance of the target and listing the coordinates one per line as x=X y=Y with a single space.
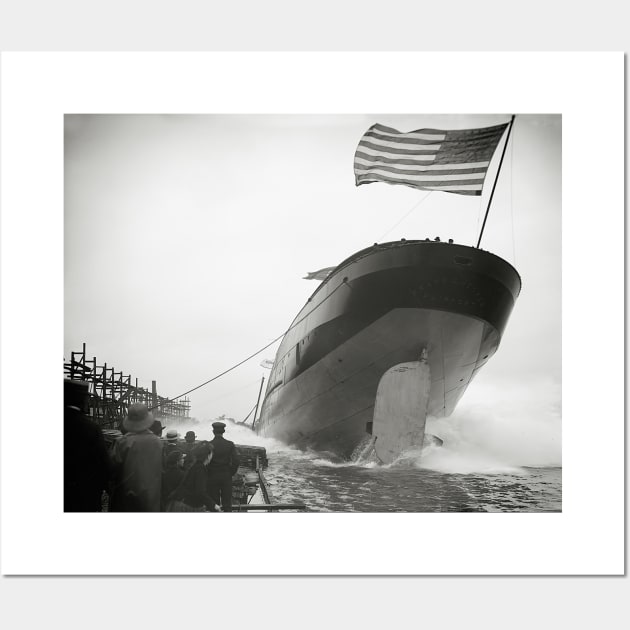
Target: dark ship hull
x=379 y=308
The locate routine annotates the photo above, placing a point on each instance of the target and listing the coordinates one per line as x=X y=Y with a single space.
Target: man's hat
x=218 y=427
x=190 y=436
x=75 y=392
x=172 y=434
x=138 y=419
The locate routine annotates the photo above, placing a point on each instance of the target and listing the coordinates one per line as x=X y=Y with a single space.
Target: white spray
x=496 y=429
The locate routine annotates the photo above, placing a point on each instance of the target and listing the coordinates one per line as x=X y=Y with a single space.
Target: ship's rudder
x=400 y=409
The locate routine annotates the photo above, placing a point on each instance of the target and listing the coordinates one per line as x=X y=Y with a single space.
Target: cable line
x=251 y=356
x=380 y=238
x=214 y=378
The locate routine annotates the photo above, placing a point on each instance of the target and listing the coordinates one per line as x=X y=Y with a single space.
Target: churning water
x=326 y=485
x=478 y=469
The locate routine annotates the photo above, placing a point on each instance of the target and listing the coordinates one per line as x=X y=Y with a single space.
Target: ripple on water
x=333 y=486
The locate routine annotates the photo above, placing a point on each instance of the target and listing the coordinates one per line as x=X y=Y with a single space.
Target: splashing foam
x=237 y=433
x=499 y=430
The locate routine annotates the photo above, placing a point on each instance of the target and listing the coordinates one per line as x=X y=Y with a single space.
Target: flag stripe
x=464 y=189
x=422 y=162
x=456 y=160
x=388 y=171
x=405 y=138
x=394 y=149
x=449 y=148
x=458 y=187
x=404 y=144
x=425 y=180
x=420 y=134
x=413 y=158
x=436 y=169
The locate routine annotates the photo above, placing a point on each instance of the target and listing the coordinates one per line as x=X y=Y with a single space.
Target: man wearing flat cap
x=222 y=467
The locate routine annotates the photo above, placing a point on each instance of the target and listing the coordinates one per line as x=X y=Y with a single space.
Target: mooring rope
x=251 y=356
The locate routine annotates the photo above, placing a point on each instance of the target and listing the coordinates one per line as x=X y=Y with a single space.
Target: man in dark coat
x=171 y=445
x=157 y=428
x=137 y=462
x=222 y=467
x=190 y=441
x=86 y=461
x=172 y=477
x=192 y=494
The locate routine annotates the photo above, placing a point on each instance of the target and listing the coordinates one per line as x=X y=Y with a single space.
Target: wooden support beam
x=111 y=391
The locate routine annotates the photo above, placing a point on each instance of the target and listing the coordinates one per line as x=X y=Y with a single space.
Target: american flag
x=454 y=161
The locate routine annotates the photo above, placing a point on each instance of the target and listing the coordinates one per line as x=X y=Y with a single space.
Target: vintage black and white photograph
x=357 y=314
x=363 y=317
x=312 y=313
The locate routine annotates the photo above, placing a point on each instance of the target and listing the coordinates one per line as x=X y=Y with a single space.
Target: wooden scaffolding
x=111 y=392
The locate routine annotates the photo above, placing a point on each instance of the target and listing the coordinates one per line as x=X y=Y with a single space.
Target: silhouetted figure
x=137 y=462
x=192 y=493
x=223 y=466
x=172 y=476
x=171 y=445
x=157 y=428
x=86 y=462
x=189 y=443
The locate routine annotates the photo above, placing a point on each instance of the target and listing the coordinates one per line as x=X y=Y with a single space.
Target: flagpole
x=507 y=138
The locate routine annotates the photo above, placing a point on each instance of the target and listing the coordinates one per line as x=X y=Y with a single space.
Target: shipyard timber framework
x=111 y=392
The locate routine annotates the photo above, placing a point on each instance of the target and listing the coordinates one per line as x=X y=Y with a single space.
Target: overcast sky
x=187 y=237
